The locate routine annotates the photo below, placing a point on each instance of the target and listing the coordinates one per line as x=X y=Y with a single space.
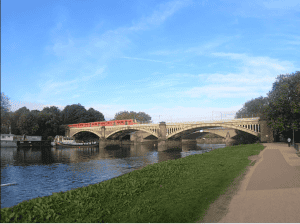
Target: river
x=40 y=172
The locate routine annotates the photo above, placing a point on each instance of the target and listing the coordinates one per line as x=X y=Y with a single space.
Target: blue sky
x=175 y=60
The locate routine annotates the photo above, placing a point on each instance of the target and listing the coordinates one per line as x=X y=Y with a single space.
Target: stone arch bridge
x=170 y=131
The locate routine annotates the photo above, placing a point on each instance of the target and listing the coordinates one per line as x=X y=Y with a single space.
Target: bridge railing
x=214 y=121
x=190 y=122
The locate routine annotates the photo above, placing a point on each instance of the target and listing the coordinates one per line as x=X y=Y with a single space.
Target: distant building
x=7 y=141
x=10 y=140
x=7 y=137
x=12 y=137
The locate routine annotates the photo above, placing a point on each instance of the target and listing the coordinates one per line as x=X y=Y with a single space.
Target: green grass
x=178 y=190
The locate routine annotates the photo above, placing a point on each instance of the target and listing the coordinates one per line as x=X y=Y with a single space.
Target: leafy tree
x=54 y=119
x=5 y=103
x=140 y=116
x=283 y=111
x=46 y=125
x=143 y=117
x=95 y=115
x=28 y=124
x=254 y=107
x=5 y=116
x=75 y=113
x=14 y=119
x=5 y=122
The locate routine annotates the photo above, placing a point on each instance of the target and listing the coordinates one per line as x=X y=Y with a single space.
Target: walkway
x=268 y=192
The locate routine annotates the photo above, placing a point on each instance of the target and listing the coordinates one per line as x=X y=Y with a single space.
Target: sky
x=177 y=61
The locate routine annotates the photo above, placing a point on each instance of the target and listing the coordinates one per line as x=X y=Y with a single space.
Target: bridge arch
x=75 y=132
x=132 y=129
x=213 y=125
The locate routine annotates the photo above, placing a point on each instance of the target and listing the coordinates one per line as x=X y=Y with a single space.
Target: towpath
x=268 y=192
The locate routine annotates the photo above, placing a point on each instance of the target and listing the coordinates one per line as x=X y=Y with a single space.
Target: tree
x=5 y=103
x=28 y=124
x=283 y=111
x=95 y=115
x=11 y=118
x=47 y=126
x=15 y=119
x=5 y=122
x=75 y=113
x=254 y=107
x=140 y=116
x=54 y=118
x=5 y=116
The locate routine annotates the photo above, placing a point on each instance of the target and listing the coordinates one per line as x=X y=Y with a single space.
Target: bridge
x=171 y=131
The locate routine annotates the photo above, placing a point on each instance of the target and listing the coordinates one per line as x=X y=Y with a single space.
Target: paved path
x=270 y=191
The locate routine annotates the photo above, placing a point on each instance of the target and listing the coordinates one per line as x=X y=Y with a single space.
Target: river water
x=41 y=172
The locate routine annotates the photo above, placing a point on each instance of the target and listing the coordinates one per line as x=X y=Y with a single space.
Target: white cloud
x=256 y=76
x=165 y=52
x=256 y=65
x=150 y=60
x=143 y=59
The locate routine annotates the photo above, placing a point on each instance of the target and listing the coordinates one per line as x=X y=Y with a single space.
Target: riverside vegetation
x=178 y=190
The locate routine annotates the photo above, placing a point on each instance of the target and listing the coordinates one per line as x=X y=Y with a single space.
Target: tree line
x=52 y=121
x=281 y=109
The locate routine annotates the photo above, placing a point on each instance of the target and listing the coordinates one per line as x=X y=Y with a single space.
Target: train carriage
x=104 y=123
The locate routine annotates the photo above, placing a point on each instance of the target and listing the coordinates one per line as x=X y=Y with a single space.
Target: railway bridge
x=170 y=131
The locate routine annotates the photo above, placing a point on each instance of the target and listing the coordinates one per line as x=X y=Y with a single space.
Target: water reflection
x=41 y=172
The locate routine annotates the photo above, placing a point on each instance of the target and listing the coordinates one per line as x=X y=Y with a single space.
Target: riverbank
x=178 y=190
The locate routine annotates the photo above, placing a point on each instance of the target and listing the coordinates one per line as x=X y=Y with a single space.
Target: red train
x=104 y=123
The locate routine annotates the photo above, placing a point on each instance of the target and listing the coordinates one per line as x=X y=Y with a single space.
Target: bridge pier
x=67 y=131
x=266 y=134
x=228 y=140
x=162 y=133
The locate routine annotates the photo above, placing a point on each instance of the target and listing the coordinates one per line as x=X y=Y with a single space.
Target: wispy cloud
x=256 y=76
x=83 y=55
x=258 y=65
x=158 y=61
x=165 y=52
x=165 y=11
x=143 y=59
x=51 y=89
x=216 y=91
x=210 y=45
x=164 y=83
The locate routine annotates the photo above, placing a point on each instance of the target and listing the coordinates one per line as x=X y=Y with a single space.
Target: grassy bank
x=172 y=191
